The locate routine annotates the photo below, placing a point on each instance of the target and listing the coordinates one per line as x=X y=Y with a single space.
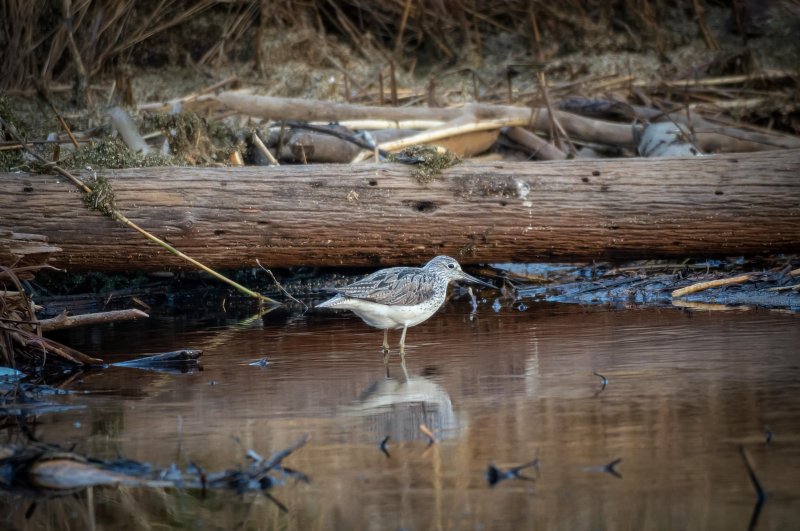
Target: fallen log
x=375 y=214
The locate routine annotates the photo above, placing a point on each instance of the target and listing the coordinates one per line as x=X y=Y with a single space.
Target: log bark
x=373 y=214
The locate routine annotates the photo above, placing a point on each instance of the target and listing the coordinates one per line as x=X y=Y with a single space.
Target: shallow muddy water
x=685 y=389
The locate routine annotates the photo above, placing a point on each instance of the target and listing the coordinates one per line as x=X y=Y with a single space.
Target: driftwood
x=69 y=321
x=538 y=147
x=378 y=214
x=710 y=137
x=187 y=356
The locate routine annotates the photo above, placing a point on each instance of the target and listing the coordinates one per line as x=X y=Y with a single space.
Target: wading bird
x=400 y=297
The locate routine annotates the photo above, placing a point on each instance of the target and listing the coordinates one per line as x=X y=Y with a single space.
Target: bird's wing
x=404 y=286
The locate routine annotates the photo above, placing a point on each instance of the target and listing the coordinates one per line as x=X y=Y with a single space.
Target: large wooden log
x=379 y=214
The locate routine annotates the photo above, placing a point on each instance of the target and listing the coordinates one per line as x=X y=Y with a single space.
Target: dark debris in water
x=495 y=475
x=178 y=361
x=608 y=468
x=47 y=470
x=773 y=283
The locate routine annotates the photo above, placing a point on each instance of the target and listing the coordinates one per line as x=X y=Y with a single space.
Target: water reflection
x=397 y=408
x=685 y=389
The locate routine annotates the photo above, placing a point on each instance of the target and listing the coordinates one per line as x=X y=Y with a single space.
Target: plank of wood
x=380 y=215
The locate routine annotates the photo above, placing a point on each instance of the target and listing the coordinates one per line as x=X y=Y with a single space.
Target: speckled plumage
x=400 y=297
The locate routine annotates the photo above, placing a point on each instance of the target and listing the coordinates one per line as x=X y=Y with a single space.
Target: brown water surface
x=685 y=389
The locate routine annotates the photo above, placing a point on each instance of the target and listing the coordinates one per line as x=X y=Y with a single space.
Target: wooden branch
x=702 y=286
x=70 y=321
x=538 y=147
x=465 y=136
x=378 y=214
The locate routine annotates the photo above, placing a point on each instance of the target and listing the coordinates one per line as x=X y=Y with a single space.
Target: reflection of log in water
x=396 y=409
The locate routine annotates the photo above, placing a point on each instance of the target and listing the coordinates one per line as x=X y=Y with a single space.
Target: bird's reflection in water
x=397 y=408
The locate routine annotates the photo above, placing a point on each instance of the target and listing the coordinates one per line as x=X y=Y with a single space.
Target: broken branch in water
x=701 y=286
x=608 y=468
x=32 y=342
x=275 y=280
x=495 y=475
x=603 y=380
x=768 y=433
x=383 y=446
x=178 y=357
x=69 y=321
x=761 y=495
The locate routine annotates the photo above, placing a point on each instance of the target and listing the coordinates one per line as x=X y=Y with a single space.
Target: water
x=685 y=389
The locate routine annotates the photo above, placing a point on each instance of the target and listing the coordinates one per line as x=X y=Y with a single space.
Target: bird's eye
x=451 y=266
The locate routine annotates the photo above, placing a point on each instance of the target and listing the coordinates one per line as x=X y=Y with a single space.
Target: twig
x=393 y=83
x=556 y=124
x=64 y=125
x=761 y=495
x=495 y=475
x=439 y=134
x=603 y=380
x=611 y=468
x=383 y=446
x=118 y=216
x=263 y=150
x=399 y=40
x=275 y=280
x=82 y=78
x=701 y=286
x=701 y=21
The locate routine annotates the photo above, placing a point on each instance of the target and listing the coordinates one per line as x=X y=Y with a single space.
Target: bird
x=400 y=297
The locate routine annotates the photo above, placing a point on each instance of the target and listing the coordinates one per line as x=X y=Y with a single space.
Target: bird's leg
x=385 y=350
x=403 y=351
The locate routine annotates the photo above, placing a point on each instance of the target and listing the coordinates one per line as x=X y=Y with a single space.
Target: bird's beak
x=470 y=278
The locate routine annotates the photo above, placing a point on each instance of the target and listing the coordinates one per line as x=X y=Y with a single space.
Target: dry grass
x=110 y=33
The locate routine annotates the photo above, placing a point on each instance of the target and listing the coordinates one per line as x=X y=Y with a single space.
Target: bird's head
x=450 y=268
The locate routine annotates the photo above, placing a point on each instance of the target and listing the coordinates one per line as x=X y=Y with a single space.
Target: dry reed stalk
x=429 y=137
x=701 y=286
x=259 y=144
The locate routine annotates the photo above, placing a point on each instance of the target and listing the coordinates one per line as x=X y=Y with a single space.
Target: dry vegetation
x=122 y=51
